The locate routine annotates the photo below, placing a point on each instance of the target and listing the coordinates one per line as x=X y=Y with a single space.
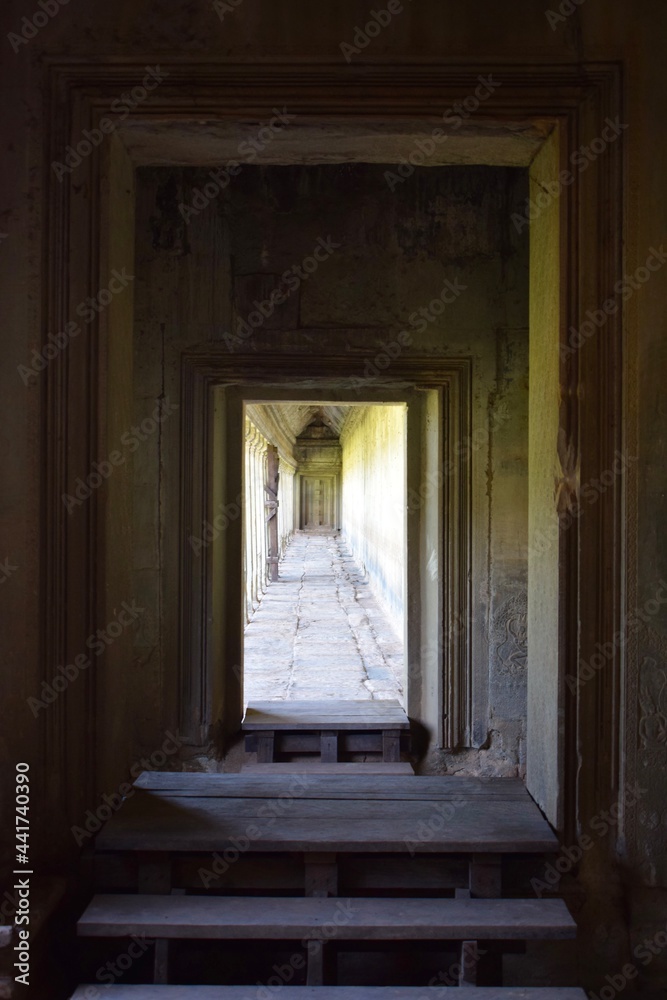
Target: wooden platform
x=330 y=714
x=335 y=813
x=327 y=727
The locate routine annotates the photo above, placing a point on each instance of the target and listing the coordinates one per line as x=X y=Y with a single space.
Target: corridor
x=319 y=632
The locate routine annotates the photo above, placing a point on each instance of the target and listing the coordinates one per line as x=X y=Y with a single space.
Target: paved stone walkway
x=319 y=632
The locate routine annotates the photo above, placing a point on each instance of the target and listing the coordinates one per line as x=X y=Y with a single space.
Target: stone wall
x=432 y=266
x=374 y=502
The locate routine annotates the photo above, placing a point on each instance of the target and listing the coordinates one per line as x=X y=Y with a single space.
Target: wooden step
x=353 y=786
x=321 y=768
x=304 y=716
x=313 y=918
x=132 y=992
x=404 y=814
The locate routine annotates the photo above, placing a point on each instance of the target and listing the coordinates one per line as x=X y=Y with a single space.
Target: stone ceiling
x=295 y=417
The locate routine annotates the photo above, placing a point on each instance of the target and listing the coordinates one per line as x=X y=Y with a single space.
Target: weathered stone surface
x=311 y=638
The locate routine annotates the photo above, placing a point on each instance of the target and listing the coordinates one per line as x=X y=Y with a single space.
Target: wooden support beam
x=486 y=876
x=486 y=882
x=468 y=956
x=320 y=971
x=329 y=746
x=161 y=962
x=321 y=874
x=265 y=747
x=391 y=745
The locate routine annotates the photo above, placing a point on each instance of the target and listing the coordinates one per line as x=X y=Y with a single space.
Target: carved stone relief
x=510 y=636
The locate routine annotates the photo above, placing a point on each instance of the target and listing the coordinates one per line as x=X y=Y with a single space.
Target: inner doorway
x=317 y=503
x=325 y=552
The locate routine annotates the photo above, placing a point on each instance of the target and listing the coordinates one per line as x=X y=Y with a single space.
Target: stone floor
x=319 y=632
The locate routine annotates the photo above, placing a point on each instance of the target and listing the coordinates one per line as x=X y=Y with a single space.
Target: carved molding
x=464 y=679
x=579 y=97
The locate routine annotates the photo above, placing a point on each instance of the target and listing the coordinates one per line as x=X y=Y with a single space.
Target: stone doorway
x=535 y=121
x=325 y=551
x=317 y=503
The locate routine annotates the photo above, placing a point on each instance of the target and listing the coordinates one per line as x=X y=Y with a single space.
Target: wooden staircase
x=338 y=860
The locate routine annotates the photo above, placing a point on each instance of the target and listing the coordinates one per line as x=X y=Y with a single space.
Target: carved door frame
x=577 y=99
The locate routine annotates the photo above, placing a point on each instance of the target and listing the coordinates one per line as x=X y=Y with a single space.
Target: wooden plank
x=342 y=786
x=328 y=707
x=125 y=991
x=318 y=767
x=305 y=918
x=443 y=814
x=205 y=827
x=304 y=715
x=449 y=809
